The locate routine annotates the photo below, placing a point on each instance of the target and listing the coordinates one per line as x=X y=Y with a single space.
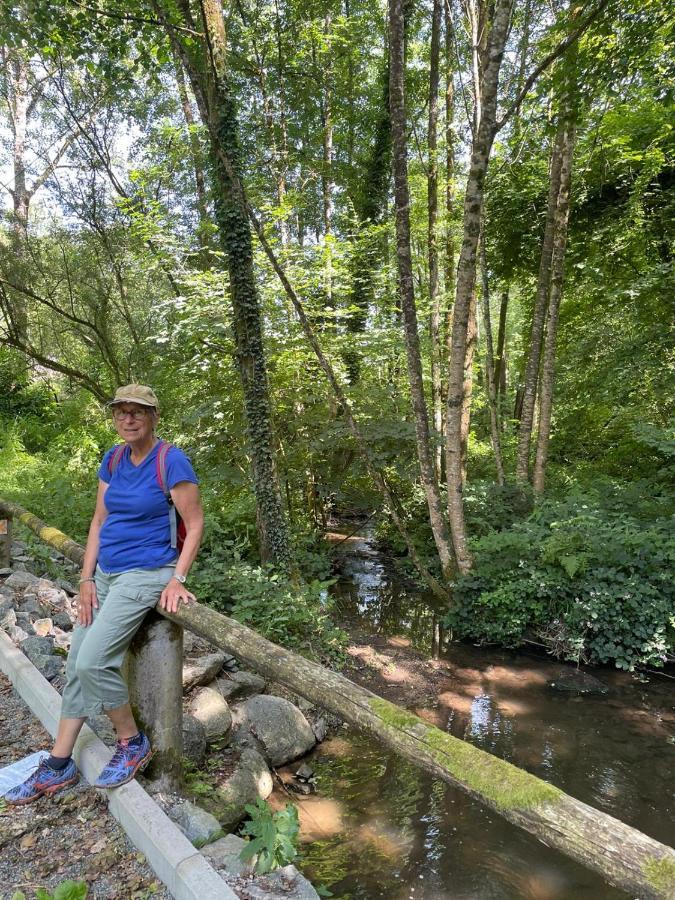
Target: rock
x=230 y=664
x=18 y=635
x=188 y=642
x=574 y=681
x=286 y=883
x=320 y=729
x=20 y=567
x=5 y=571
x=240 y=684
x=52 y=596
x=194 y=740
x=21 y=557
x=62 y=640
x=32 y=605
x=50 y=666
x=66 y=586
x=304 y=773
x=224 y=854
x=8 y=618
x=210 y=708
x=302 y=787
x=18 y=581
x=279 y=727
x=23 y=619
x=199 y=826
x=35 y=647
x=62 y=620
x=43 y=627
x=250 y=779
x=202 y=670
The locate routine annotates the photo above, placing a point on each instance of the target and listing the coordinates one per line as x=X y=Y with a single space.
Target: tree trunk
x=466 y=278
x=449 y=261
x=500 y=358
x=432 y=252
x=495 y=431
x=529 y=388
x=407 y=296
x=197 y=167
x=467 y=386
x=327 y=171
x=557 y=274
x=206 y=68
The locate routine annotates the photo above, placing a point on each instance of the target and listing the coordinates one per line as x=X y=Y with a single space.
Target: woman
x=132 y=561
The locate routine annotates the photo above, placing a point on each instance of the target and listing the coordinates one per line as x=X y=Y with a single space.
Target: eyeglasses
x=136 y=414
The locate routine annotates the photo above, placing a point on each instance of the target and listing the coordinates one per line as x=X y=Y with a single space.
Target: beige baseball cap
x=135 y=393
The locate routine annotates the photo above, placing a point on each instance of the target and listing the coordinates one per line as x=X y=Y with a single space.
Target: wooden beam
x=622 y=855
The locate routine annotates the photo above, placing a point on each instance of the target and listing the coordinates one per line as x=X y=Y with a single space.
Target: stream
x=378 y=827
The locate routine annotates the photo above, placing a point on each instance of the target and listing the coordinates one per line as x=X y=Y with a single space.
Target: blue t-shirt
x=136 y=533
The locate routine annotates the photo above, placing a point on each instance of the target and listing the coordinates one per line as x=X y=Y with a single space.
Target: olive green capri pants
x=94 y=680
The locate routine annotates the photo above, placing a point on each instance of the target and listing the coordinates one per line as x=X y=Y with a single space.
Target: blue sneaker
x=44 y=780
x=127 y=760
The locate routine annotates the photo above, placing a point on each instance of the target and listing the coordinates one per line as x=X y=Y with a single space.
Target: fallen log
x=623 y=856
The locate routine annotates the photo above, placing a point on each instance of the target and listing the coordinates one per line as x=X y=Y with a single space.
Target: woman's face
x=134 y=423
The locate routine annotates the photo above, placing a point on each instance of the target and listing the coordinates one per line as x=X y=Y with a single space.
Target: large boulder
x=250 y=779
x=202 y=670
x=198 y=826
x=194 y=740
x=275 y=725
x=210 y=708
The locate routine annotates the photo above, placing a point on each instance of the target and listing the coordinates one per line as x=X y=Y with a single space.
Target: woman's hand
x=174 y=594
x=87 y=603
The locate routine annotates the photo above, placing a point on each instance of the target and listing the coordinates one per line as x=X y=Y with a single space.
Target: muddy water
x=380 y=828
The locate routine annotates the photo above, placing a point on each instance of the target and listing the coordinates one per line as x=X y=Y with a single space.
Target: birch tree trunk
x=449 y=262
x=489 y=362
x=466 y=277
x=407 y=296
x=206 y=65
x=531 y=379
x=432 y=217
x=568 y=128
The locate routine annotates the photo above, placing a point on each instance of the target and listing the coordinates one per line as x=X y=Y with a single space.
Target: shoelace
x=120 y=752
x=42 y=765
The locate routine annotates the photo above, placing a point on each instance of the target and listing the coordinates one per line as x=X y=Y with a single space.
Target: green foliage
x=294 y=615
x=582 y=574
x=274 y=836
x=67 y=890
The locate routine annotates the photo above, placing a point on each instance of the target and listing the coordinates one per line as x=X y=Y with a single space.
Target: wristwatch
x=181 y=578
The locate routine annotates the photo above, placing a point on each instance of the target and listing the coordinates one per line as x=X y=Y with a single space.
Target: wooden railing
x=622 y=855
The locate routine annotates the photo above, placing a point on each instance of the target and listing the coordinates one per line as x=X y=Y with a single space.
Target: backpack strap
x=116 y=458
x=160 y=470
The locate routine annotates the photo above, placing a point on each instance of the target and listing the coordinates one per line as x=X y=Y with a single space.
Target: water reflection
x=404 y=835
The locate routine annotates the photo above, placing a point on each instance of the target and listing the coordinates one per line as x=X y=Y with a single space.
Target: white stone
x=210 y=708
x=43 y=627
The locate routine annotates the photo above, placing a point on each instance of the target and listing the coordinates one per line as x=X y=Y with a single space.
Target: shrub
x=588 y=578
x=274 y=836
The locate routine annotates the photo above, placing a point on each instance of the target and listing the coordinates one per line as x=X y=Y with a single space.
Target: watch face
x=180 y=578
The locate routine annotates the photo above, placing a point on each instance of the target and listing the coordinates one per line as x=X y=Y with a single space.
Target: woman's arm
x=87 y=599
x=185 y=496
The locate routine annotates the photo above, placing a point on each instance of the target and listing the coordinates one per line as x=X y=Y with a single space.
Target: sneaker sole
x=52 y=789
x=132 y=774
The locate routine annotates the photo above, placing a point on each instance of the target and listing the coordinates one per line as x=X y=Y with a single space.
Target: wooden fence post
x=6 y=541
x=154 y=673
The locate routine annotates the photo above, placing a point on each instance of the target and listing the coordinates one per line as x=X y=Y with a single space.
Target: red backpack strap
x=116 y=458
x=160 y=467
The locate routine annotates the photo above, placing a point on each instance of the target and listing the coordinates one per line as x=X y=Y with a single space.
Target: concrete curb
x=179 y=865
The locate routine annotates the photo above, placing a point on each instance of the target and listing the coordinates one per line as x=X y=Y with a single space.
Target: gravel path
x=68 y=836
